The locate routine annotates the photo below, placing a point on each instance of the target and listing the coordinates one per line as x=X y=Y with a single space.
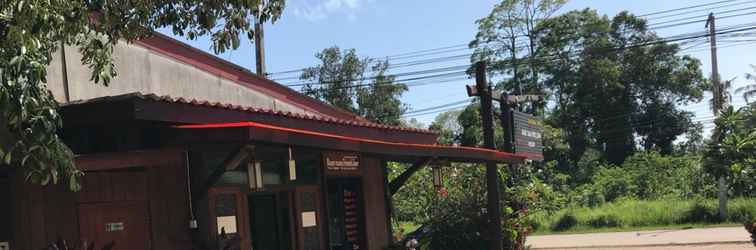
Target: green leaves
x=732 y=152
x=341 y=80
x=7 y=158
x=32 y=31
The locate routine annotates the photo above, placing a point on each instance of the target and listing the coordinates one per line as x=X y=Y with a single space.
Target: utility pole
x=506 y=123
x=507 y=126
x=718 y=97
x=259 y=46
x=492 y=175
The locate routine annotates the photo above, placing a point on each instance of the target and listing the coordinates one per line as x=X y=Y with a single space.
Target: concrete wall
x=142 y=70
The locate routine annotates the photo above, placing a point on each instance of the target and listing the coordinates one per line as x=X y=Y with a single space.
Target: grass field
x=643 y=215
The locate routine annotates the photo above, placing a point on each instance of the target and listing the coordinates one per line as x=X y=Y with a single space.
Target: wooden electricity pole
x=259 y=46
x=492 y=175
x=717 y=92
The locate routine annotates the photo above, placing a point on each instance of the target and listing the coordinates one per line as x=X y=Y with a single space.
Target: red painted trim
x=497 y=154
x=209 y=63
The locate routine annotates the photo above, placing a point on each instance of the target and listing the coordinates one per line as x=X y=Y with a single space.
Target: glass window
x=211 y=160
x=308 y=165
x=272 y=171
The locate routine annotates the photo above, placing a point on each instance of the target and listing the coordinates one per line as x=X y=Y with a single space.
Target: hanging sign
x=528 y=135
x=344 y=164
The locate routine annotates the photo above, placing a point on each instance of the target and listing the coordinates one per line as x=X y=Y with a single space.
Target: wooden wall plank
x=5 y=210
x=39 y=215
x=131 y=159
x=375 y=203
x=169 y=207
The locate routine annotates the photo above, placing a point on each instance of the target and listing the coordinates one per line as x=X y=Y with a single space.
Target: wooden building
x=176 y=171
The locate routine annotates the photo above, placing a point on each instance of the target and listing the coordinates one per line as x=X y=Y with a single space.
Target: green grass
x=631 y=215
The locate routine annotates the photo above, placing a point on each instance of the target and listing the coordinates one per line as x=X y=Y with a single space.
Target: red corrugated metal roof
x=169 y=99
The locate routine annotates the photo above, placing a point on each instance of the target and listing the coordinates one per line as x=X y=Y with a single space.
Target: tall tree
x=508 y=37
x=341 y=79
x=448 y=127
x=614 y=80
x=33 y=30
x=749 y=90
x=380 y=101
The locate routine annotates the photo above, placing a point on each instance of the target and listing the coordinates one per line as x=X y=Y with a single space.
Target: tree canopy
x=359 y=85
x=609 y=79
x=33 y=31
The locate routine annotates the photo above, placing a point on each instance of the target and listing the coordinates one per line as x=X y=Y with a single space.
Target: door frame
x=242 y=213
x=362 y=220
x=321 y=224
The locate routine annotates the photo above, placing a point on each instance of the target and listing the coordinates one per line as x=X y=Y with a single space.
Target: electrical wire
x=460 y=46
x=523 y=61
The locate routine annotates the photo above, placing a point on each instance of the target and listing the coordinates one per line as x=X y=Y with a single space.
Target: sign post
x=528 y=135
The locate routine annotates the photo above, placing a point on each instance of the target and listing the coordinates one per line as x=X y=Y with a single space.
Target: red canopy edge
x=496 y=154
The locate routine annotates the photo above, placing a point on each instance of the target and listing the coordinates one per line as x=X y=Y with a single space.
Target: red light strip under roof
x=497 y=154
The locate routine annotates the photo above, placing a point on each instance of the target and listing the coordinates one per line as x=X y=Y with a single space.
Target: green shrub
x=750 y=226
x=605 y=220
x=628 y=212
x=701 y=213
x=566 y=221
x=740 y=213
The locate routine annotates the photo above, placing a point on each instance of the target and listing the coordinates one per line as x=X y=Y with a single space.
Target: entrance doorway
x=346 y=219
x=288 y=219
x=270 y=220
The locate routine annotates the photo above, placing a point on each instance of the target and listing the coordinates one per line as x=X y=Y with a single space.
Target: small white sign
x=113 y=226
x=4 y=245
x=227 y=223
x=308 y=219
x=292 y=170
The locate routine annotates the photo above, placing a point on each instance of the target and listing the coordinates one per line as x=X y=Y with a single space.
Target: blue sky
x=379 y=28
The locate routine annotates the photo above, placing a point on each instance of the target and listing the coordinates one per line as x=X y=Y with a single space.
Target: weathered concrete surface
x=703 y=238
x=142 y=70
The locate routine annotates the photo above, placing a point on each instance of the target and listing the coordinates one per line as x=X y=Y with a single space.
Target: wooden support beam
x=399 y=181
x=233 y=160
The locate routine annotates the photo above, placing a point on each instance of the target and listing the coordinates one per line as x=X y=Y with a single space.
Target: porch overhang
x=250 y=132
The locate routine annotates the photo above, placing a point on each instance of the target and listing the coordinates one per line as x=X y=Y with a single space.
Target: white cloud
x=316 y=10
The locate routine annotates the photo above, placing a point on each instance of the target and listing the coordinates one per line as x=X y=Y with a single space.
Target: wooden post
x=718 y=97
x=259 y=43
x=399 y=181
x=492 y=175
x=506 y=124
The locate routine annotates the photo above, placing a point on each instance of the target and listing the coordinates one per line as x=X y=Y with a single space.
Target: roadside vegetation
x=621 y=151
x=631 y=214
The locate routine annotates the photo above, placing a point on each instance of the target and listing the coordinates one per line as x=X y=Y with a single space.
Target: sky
x=381 y=28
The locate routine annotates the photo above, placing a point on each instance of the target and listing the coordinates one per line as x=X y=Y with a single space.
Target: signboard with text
x=341 y=164
x=528 y=135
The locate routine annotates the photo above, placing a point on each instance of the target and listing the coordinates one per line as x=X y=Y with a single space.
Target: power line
x=703 y=16
x=459 y=47
x=458 y=57
x=466 y=101
x=685 y=8
x=703 y=10
x=531 y=61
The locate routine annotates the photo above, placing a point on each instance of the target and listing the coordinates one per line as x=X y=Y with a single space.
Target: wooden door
x=309 y=219
x=123 y=223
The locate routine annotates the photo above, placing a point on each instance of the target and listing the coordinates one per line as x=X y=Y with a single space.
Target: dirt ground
x=698 y=239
